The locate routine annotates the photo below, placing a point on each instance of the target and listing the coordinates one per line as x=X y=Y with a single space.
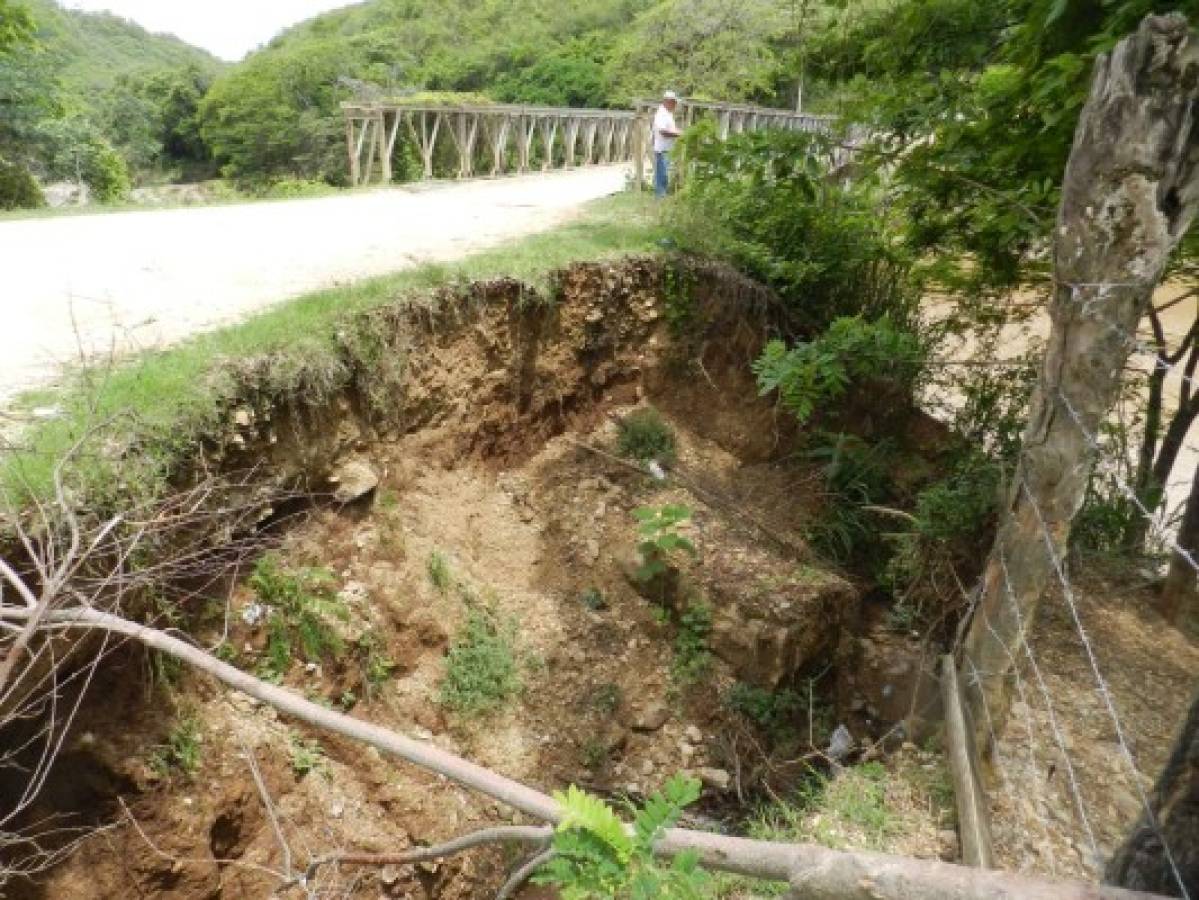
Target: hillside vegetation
x=93 y=98
x=96 y=50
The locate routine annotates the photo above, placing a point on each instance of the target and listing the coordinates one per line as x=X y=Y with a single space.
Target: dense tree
x=153 y=117
x=720 y=49
x=574 y=53
x=16 y=25
x=129 y=96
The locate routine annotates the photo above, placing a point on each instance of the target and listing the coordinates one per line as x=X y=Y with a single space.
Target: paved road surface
x=140 y=279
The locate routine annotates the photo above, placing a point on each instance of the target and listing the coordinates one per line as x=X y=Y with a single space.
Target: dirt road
x=98 y=283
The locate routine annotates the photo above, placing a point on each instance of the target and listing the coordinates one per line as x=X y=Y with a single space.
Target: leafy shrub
x=660 y=539
x=18 y=188
x=644 y=436
x=855 y=476
x=107 y=175
x=291 y=188
x=597 y=858
x=299 y=606
x=772 y=711
x=852 y=350
x=763 y=200
x=482 y=670
x=944 y=542
x=692 y=658
x=1106 y=518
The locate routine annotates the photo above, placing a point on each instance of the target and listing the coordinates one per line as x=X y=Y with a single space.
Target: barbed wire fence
x=1042 y=749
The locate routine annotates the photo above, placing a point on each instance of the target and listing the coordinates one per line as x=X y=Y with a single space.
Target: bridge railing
x=466 y=141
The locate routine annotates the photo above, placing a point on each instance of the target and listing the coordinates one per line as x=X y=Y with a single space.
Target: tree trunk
x=1180 y=591
x=1144 y=485
x=1130 y=192
x=1158 y=452
x=1141 y=864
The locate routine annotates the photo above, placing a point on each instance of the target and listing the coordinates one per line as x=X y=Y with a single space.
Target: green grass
x=482 y=667
x=846 y=811
x=152 y=407
x=181 y=752
x=440 y=575
x=643 y=435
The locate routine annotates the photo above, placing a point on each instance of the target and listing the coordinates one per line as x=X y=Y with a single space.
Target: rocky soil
x=486 y=440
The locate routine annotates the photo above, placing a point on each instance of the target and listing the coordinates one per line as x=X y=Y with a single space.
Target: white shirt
x=663 y=121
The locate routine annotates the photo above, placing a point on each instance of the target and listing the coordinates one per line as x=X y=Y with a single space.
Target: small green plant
x=167 y=670
x=439 y=571
x=307 y=756
x=226 y=653
x=181 y=752
x=942 y=542
x=348 y=700
x=594 y=754
x=598 y=858
x=772 y=711
x=810 y=375
x=692 y=658
x=593 y=598
x=856 y=477
x=678 y=289
x=660 y=539
x=482 y=670
x=300 y=605
x=607 y=698
x=376 y=665
x=644 y=436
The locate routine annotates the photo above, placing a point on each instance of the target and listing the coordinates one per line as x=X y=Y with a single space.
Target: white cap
x=670 y=95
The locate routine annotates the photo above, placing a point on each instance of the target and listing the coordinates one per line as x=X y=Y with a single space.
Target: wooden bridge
x=465 y=141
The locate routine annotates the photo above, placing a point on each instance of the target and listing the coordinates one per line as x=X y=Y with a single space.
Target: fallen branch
x=507 y=834
x=818 y=872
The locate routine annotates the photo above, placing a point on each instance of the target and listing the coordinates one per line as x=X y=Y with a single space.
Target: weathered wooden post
x=1130 y=192
x=350 y=151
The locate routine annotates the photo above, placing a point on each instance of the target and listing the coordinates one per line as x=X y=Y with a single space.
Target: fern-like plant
x=599 y=857
x=300 y=605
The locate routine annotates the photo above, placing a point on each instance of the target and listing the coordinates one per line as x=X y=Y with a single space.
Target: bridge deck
x=502 y=137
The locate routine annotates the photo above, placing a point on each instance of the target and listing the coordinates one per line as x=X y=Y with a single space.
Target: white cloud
x=228 y=28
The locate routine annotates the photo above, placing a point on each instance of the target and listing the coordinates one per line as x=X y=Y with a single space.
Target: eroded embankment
x=463 y=460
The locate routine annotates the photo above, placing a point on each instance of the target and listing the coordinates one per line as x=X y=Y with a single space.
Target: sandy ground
x=1176 y=321
x=125 y=281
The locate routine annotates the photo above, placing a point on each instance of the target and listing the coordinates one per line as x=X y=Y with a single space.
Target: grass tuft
x=482 y=669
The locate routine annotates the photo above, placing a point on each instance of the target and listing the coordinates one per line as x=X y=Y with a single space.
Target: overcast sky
x=228 y=28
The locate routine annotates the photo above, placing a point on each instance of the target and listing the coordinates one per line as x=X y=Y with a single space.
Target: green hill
x=276 y=112
x=99 y=99
x=90 y=51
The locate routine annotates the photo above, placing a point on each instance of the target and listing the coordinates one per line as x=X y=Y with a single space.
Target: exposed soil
x=497 y=450
x=1065 y=801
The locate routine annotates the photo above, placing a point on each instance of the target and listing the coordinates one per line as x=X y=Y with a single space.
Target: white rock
x=355 y=479
x=717 y=779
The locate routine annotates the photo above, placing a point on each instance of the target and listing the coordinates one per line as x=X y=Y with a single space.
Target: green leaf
x=582 y=811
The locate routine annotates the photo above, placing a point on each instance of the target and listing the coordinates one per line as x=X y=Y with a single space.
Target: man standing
x=666 y=132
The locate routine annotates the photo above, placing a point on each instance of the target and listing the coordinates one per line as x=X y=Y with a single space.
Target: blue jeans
x=661 y=173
